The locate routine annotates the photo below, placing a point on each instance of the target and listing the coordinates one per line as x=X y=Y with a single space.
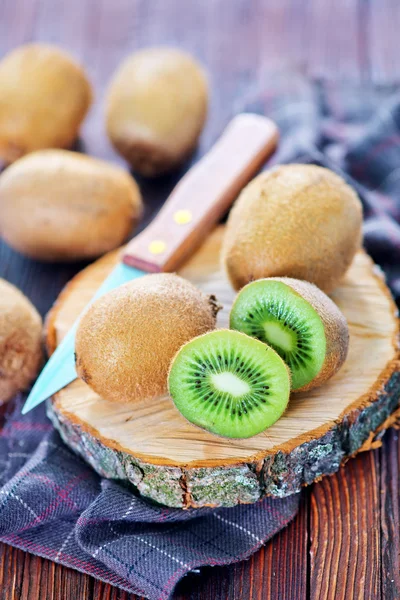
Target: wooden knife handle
x=203 y=195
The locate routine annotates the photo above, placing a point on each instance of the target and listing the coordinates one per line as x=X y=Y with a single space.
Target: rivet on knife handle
x=203 y=195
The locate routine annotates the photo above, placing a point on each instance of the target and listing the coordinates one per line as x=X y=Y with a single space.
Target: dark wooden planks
x=17 y=23
x=383 y=30
x=11 y=572
x=239 y=42
x=280 y=28
x=24 y=576
x=354 y=528
x=279 y=570
x=284 y=573
x=333 y=42
x=353 y=553
x=103 y=591
x=345 y=532
x=389 y=459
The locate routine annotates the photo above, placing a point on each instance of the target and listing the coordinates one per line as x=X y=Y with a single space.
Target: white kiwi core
x=230 y=383
x=278 y=336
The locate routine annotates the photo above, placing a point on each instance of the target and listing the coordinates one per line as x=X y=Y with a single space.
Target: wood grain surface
x=153 y=432
x=138 y=430
x=239 y=42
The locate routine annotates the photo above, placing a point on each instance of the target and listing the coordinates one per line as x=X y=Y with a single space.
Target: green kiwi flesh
x=229 y=384
x=275 y=314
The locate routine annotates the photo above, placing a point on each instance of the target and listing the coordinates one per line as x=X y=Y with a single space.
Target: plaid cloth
x=353 y=130
x=52 y=504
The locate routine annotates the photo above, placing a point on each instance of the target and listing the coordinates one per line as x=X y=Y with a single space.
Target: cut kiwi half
x=229 y=383
x=299 y=321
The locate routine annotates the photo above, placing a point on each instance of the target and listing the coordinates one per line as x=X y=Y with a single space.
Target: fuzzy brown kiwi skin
x=156 y=109
x=58 y=205
x=44 y=97
x=147 y=157
x=335 y=325
x=21 y=353
x=127 y=339
x=300 y=221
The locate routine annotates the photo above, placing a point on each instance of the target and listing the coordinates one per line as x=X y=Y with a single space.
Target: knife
x=195 y=205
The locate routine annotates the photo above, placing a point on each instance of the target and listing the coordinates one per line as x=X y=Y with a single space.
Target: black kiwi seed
x=279 y=312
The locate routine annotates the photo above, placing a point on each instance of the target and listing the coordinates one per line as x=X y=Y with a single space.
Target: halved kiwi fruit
x=229 y=383
x=299 y=321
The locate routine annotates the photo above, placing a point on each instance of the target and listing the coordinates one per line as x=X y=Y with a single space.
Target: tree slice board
x=177 y=464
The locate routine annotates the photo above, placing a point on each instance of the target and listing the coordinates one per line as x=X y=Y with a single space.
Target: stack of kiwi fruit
x=58 y=205
x=289 y=240
x=292 y=233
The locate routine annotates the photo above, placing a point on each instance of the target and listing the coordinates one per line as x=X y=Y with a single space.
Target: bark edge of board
x=278 y=472
x=279 y=475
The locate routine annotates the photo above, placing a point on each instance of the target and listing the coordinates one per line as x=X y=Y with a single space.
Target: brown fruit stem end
x=215 y=305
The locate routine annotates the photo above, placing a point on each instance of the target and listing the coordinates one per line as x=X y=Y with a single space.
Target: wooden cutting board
x=177 y=464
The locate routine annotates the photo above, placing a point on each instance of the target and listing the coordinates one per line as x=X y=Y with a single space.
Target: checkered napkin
x=52 y=504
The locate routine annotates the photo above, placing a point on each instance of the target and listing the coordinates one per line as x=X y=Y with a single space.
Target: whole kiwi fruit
x=156 y=108
x=298 y=321
x=300 y=221
x=127 y=338
x=58 y=205
x=20 y=341
x=44 y=96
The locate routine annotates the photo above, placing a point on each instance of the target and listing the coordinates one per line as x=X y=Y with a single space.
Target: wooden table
x=344 y=543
